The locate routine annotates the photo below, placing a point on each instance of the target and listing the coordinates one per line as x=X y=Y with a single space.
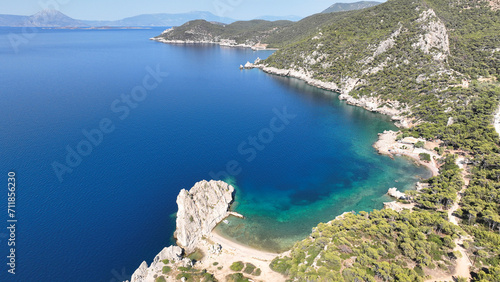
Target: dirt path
x=462 y=268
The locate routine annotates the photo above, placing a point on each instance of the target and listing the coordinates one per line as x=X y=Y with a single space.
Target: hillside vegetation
x=276 y=34
x=342 y=7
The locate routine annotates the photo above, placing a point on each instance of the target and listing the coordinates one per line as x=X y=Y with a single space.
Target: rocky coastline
x=391 y=108
x=200 y=209
x=222 y=42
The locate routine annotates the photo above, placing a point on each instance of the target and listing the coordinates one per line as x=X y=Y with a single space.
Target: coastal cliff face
x=200 y=210
x=374 y=104
x=144 y=273
x=411 y=47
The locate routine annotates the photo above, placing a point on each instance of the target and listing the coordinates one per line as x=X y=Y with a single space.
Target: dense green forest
x=440 y=59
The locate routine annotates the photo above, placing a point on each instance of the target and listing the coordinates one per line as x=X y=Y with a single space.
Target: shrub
x=236 y=277
x=249 y=268
x=182 y=268
x=257 y=272
x=185 y=275
x=197 y=255
x=237 y=266
x=419 y=271
x=160 y=279
x=425 y=157
x=166 y=269
x=208 y=277
x=419 y=144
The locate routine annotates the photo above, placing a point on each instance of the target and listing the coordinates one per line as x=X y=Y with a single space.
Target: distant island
x=433 y=66
x=54 y=18
x=257 y=34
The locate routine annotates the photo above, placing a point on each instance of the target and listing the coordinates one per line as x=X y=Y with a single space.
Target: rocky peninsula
x=200 y=209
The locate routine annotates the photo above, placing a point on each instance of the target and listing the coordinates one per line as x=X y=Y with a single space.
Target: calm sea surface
x=101 y=140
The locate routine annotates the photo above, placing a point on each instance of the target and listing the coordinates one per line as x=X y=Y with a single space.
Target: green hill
x=342 y=7
x=276 y=34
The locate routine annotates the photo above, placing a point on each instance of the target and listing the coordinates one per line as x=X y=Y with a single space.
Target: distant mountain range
x=163 y=19
x=342 y=7
x=45 y=18
x=54 y=18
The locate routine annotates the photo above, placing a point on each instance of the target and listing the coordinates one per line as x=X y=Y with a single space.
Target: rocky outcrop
x=435 y=36
x=145 y=273
x=307 y=77
x=200 y=210
x=393 y=192
x=494 y=4
x=496 y=121
x=140 y=273
x=393 y=206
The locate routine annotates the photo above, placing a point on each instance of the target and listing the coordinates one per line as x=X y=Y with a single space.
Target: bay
x=117 y=207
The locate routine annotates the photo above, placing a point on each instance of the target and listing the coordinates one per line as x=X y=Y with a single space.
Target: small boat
x=226 y=221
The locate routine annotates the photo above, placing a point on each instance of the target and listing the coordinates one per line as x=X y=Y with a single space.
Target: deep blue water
x=116 y=207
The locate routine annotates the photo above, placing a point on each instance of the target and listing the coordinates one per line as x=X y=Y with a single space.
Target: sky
x=118 y=9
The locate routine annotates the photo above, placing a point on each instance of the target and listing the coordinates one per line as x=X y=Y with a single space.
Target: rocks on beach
x=393 y=192
x=393 y=206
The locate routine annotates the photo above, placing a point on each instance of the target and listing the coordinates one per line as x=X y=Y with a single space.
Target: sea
x=103 y=128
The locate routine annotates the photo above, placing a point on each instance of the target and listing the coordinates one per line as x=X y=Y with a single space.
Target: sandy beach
x=232 y=252
x=240 y=249
x=387 y=145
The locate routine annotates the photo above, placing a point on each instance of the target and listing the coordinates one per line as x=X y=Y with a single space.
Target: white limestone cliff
x=200 y=210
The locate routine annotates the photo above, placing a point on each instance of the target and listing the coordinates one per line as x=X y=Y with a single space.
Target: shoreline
x=382 y=145
x=223 y=43
x=232 y=251
x=394 y=109
x=387 y=145
x=241 y=249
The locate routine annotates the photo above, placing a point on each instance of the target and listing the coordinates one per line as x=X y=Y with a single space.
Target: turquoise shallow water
x=335 y=170
x=115 y=208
